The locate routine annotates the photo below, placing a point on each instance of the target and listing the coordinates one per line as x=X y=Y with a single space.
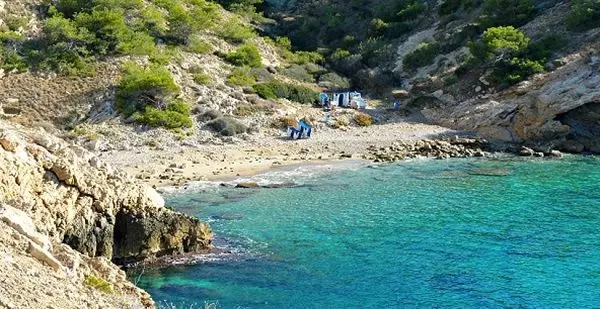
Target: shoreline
x=263 y=153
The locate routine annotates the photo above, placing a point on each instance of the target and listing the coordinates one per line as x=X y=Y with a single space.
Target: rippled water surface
x=458 y=233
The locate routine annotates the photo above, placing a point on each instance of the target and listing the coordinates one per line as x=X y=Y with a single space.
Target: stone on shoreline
x=526 y=152
x=247 y=185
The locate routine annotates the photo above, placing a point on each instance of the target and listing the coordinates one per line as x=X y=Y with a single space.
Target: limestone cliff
x=77 y=202
x=554 y=110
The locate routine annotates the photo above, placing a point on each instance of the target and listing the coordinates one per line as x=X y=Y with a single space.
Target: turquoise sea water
x=451 y=234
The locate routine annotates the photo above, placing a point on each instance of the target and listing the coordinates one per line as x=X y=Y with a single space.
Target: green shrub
x=77 y=31
x=410 y=9
x=141 y=87
x=514 y=59
x=227 y=126
x=283 y=42
x=241 y=77
x=11 y=60
x=184 y=22
x=298 y=73
x=265 y=91
x=210 y=115
x=304 y=57
x=239 y=4
x=196 y=45
x=507 y=12
x=98 y=284
x=65 y=47
x=422 y=56
x=585 y=14
x=164 y=56
x=340 y=54
x=109 y=28
x=499 y=41
x=543 y=48
x=175 y=115
x=14 y=23
x=245 y=55
x=450 y=80
x=12 y=38
x=449 y=7
x=153 y=21
x=335 y=81
x=378 y=27
x=296 y=93
x=363 y=120
x=202 y=78
x=235 y=32
x=515 y=70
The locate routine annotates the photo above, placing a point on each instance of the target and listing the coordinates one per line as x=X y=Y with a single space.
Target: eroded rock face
x=75 y=199
x=557 y=110
x=584 y=124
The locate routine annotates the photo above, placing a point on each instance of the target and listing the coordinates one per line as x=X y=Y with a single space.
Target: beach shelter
x=343 y=99
x=356 y=101
x=335 y=101
x=304 y=131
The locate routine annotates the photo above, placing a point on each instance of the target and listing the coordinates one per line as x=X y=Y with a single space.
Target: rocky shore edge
x=79 y=218
x=437 y=149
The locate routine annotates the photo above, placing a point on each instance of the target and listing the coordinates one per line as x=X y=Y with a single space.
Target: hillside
x=192 y=63
x=101 y=99
x=463 y=64
x=215 y=65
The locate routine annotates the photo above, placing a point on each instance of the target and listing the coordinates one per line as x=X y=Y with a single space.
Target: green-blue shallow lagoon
x=455 y=234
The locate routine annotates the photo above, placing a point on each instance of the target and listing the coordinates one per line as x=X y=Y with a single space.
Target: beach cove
x=491 y=232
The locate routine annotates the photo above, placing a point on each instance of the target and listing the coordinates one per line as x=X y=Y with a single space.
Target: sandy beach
x=175 y=167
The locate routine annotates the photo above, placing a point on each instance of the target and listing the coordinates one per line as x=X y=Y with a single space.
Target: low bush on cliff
x=508 y=51
x=227 y=126
x=422 y=56
x=245 y=55
x=298 y=73
x=296 y=93
x=585 y=14
x=507 y=12
x=235 y=32
x=147 y=94
x=451 y=6
x=241 y=77
x=75 y=33
x=175 y=115
x=98 y=284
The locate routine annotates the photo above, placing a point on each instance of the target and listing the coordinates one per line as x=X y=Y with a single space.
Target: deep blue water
x=451 y=234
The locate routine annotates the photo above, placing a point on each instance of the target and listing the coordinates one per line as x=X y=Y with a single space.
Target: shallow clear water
x=457 y=233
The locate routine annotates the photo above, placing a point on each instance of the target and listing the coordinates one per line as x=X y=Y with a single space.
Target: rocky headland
x=68 y=219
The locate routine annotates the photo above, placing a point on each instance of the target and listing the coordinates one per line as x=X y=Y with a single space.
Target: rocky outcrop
x=439 y=149
x=75 y=199
x=560 y=109
x=56 y=276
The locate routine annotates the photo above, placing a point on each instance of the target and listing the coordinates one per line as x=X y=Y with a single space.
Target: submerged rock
x=490 y=172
